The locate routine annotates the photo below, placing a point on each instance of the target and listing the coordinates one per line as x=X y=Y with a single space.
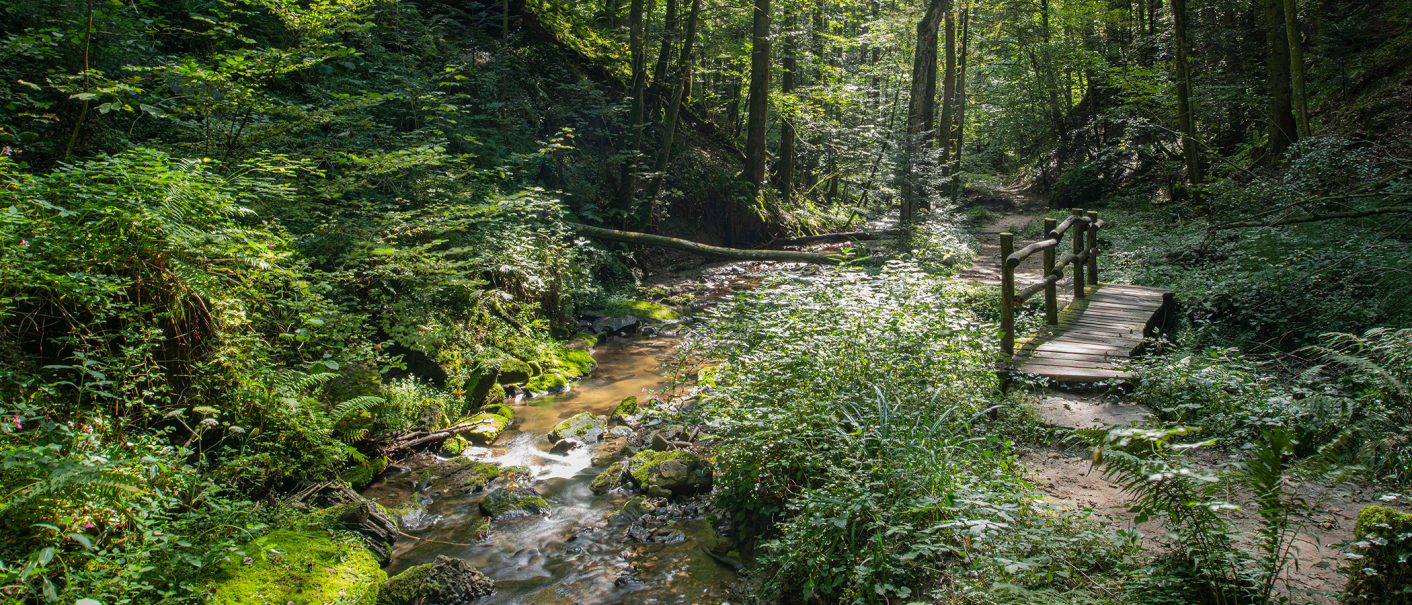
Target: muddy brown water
x=575 y=554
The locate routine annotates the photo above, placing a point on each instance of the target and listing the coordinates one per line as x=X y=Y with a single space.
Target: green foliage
x=1205 y=549
x=1378 y=571
x=286 y=565
x=847 y=405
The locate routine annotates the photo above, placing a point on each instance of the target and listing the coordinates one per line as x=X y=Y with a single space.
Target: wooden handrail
x=1015 y=259
x=1083 y=259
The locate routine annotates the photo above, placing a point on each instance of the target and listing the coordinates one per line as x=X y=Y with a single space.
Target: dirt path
x=1065 y=474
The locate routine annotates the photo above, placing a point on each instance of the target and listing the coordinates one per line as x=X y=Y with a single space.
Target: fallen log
x=663 y=241
x=832 y=237
x=411 y=440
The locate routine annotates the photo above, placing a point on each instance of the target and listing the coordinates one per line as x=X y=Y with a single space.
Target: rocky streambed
x=596 y=495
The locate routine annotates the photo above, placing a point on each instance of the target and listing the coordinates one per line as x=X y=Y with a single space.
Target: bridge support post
x=1079 y=229
x=1007 y=294
x=1092 y=248
x=1051 y=290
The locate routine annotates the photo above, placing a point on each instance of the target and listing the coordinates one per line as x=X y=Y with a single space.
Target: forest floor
x=1065 y=473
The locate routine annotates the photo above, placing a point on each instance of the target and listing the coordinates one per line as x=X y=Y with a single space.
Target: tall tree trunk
x=923 y=60
x=1296 y=67
x=1186 y=122
x=759 y=94
x=947 y=124
x=657 y=91
x=961 y=100
x=1280 y=127
x=669 y=125
x=784 y=174
x=638 y=57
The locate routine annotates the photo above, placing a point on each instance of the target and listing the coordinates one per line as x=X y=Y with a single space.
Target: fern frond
x=354 y=405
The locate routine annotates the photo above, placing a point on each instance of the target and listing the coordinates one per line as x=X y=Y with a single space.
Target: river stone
x=609 y=478
x=626 y=408
x=486 y=428
x=678 y=472
x=445 y=581
x=660 y=443
x=584 y=426
x=454 y=445
x=565 y=446
x=464 y=474
x=626 y=324
x=517 y=502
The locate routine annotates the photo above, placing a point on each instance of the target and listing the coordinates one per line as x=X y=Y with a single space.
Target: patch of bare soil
x=1068 y=478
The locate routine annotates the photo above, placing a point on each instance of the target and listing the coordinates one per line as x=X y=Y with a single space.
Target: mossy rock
x=480 y=389
x=1383 y=573
x=303 y=569
x=547 y=383
x=433 y=417
x=518 y=502
x=499 y=409
x=584 y=426
x=577 y=363
x=459 y=473
x=474 y=475
x=583 y=339
x=625 y=408
x=445 y=580
x=487 y=427
x=506 y=369
x=641 y=308
x=364 y=472
x=454 y=445
x=608 y=479
x=677 y=472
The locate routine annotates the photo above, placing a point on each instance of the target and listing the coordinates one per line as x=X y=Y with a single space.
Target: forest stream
x=580 y=552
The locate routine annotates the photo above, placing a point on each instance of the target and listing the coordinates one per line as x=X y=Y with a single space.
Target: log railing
x=1083 y=260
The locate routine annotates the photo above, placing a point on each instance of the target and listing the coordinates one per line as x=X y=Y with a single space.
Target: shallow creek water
x=575 y=554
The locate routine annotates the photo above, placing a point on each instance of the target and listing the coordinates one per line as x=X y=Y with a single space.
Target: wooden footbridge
x=1092 y=338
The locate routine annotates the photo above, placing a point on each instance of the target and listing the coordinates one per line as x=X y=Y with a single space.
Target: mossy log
x=663 y=241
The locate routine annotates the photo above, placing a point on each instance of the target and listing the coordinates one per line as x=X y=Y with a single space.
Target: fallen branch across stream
x=832 y=237
x=663 y=241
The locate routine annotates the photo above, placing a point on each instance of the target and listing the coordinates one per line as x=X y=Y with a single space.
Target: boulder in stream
x=513 y=502
x=486 y=427
x=626 y=324
x=444 y=581
x=584 y=427
x=671 y=473
x=627 y=408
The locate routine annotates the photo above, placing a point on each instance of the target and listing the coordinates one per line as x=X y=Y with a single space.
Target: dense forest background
x=243 y=240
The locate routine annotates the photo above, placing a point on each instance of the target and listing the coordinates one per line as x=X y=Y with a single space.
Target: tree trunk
x=1186 y=122
x=669 y=125
x=923 y=60
x=628 y=183
x=1280 y=127
x=759 y=94
x=947 y=124
x=784 y=174
x=1296 y=67
x=961 y=102
x=662 y=241
x=657 y=92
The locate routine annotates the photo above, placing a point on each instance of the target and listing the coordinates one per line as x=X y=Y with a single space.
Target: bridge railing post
x=1051 y=290
x=1007 y=294
x=1092 y=248
x=1078 y=249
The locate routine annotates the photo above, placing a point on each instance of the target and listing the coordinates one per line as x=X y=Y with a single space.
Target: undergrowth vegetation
x=865 y=445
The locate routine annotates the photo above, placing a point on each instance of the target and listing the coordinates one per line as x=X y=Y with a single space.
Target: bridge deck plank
x=1096 y=337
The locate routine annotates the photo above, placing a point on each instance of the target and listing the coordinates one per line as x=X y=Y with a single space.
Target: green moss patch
x=513 y=503
x=547 y=383
x=499 y=409
x=454 y=445
x=487 y=427
x=640 y=308
x=1382 y=572
x=625 y=408
x=584 y=426
x=645 y=460
x=299 y=568
x=608 y=479
x=364 y=473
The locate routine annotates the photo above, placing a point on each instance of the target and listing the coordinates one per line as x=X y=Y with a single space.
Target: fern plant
x=1377 y=416
x=1195 y=506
